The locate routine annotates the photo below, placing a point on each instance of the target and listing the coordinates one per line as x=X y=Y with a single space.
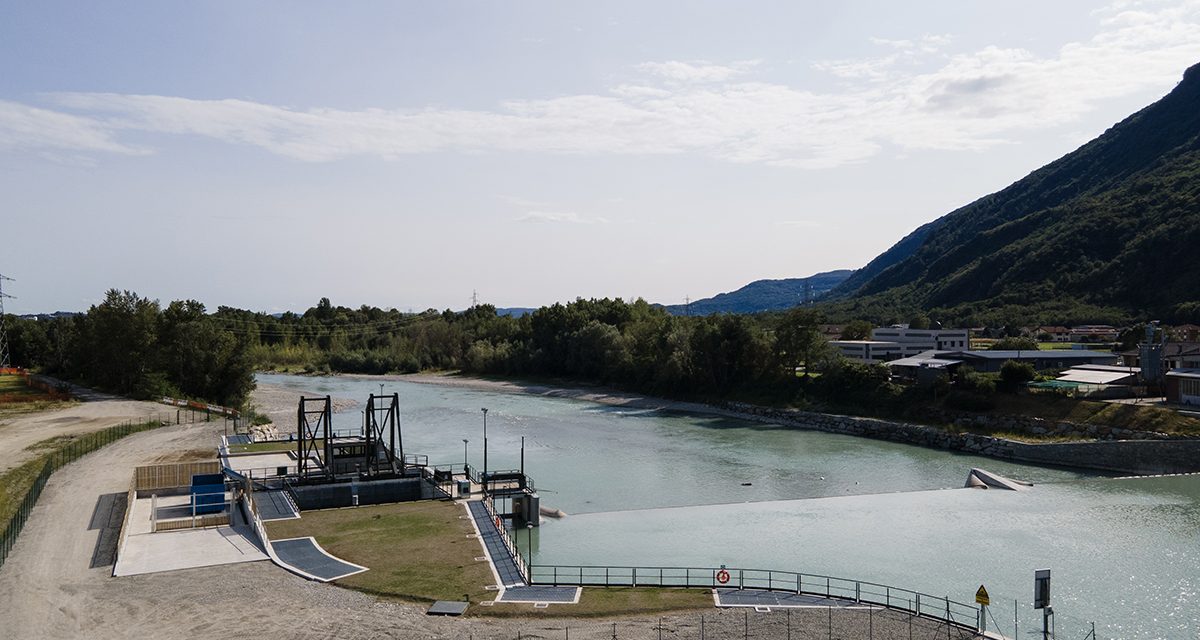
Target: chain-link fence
x=814 y=623
x=68 y=453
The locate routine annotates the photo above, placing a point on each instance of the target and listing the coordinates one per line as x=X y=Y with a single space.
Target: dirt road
x=95 y=412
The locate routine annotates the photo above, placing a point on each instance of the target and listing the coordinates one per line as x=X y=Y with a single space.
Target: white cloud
x=697 y=71
x=23 y=127
x=968 y=100
x=569 y=217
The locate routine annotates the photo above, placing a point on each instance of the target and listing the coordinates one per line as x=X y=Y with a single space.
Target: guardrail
x=509 y=543
x=922 y=604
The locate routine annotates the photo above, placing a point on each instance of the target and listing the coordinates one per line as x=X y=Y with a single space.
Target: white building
x=891 y=343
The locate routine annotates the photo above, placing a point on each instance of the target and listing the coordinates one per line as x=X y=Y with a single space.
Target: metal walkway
x=502 y=559
x=513 y=586
x=304 y=557
x=550 y=595
x=780 y=599
x=275 y=505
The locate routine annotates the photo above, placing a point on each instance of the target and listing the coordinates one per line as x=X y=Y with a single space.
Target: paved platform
x=275 y=505
x=552 y=595
x=447 y=608
x=502 y=559
x=780 y=599
x=147 y=552
x=304 y=557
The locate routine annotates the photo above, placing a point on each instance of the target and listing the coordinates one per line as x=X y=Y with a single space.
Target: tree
x=798 y=340
x=119 y=340
x=856 y=330
x=1015 y=344
x=919 y=321
x=1014 y=374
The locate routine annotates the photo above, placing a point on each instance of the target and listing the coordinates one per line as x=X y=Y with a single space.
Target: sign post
x=981 y=597
x=1041 y=599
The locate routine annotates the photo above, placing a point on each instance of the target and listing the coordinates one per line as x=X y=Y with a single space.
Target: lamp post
x=529 y=549
x=465 y=441
x=485 y=448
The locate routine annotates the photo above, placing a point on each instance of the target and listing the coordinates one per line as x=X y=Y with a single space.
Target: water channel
x=646 y=488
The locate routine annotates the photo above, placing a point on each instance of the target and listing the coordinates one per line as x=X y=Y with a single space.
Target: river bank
x=1111 y=450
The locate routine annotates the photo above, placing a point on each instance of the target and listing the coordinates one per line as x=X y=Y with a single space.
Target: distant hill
x=1110 y=230
x=764 y=295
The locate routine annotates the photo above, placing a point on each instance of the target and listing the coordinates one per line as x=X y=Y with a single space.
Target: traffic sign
x=981 y=596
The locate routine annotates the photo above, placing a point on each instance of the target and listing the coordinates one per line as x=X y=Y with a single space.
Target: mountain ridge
x=1091 y=229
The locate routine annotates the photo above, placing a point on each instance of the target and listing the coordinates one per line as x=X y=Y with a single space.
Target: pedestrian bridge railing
x=922 y=604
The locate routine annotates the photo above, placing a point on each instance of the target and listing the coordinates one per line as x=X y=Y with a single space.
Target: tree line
x=132 y=346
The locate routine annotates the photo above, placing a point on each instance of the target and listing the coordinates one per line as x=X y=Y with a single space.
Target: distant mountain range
x=1109 y=230
x=765 y=295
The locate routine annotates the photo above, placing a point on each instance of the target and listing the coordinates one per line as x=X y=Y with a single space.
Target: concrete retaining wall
x=1134 y=456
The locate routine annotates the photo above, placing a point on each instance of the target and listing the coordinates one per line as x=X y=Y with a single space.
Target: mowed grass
x=416 y=551
x=419 y=552
x=610 y=601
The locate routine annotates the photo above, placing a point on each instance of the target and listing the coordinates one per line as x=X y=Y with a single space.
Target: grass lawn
x=419 y=552
x=416 y=551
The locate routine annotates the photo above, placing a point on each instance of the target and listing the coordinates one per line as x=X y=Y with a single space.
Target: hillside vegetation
x=1108 y=232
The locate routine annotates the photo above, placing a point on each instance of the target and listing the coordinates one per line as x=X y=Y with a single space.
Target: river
x=646 y=488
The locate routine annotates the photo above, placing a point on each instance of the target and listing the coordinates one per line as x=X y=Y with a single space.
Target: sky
x=409 y=155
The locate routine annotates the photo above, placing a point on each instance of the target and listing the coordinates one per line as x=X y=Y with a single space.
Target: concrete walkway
x=147 y=552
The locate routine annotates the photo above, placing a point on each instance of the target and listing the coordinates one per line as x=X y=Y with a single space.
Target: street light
x=529 y=547
x=465 y=441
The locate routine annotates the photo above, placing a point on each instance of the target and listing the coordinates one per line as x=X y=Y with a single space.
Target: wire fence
x=819 y=623
x=68 y=453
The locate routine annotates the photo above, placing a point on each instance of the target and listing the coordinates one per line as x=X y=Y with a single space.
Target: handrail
x=921 y=604
x=522 y=567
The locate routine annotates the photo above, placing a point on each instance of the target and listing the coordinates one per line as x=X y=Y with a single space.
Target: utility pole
x=4 y=358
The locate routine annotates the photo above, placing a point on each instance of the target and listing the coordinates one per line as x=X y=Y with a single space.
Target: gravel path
x=96 y=412
x=57 y=584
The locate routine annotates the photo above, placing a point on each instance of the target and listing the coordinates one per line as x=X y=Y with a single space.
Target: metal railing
x=922 y=604
x=509 y=543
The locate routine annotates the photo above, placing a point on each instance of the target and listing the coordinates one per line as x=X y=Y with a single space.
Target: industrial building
x=895 y=342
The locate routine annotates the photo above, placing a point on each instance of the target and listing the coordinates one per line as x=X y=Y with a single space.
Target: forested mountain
x=764 y=295
x=1111 y=229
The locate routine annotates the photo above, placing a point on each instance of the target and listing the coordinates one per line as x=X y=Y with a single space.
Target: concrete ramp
x=981 y=479
x=304 y=557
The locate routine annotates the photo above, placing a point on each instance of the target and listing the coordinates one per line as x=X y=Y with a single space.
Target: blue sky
x=262 y=155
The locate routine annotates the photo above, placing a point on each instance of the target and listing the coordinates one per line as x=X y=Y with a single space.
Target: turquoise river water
x=646 y=488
